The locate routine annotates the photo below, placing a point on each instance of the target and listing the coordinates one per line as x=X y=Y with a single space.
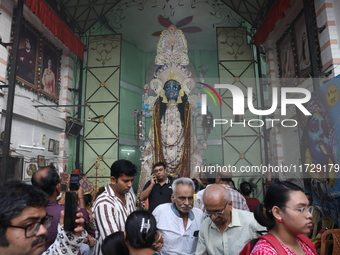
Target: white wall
x=30 y=123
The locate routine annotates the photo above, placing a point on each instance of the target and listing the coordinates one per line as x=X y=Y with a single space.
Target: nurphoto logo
x=239 y=106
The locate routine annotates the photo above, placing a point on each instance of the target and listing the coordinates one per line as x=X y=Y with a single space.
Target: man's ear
x=58 y=187
x=172 y=198
x=230 y=204
x=113 y=180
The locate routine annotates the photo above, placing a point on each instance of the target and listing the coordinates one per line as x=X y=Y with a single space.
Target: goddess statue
x=171 y=138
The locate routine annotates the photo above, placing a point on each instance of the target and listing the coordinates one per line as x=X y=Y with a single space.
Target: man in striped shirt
x=115 y=204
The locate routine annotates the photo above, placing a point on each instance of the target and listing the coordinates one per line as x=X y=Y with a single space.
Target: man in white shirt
x=179 y=222
x=226 y=230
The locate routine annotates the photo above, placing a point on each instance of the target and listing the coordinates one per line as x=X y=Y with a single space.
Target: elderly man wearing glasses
x=226 y=230
x=24 y=223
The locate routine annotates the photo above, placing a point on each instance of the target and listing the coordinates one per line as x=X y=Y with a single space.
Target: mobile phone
x=74 y=181
x=70 y=211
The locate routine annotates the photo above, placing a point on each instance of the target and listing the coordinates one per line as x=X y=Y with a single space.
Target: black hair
x=100 y=191
x=278 y=195
x=311 y=198
x=159 y=164
x=196 y=184
x=114 y=244
x=15 y=196
x=308 y=194
x=211 y=180
x=245 y=188
x=46 y=183
x=88 y=199
x=141 y=229
x=123 y=166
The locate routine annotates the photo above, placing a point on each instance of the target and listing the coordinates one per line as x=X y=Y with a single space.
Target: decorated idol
x=171 y=138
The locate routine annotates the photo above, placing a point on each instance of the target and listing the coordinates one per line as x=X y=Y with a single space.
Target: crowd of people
x=221 y=221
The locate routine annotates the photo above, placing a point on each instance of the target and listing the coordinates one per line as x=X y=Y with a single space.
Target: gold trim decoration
x=172 y=76
x=179 y=98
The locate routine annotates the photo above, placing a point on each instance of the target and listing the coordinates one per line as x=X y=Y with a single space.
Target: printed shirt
x=177 y=240
x=243 y=228
x=65 y=243
x=110 y=214
x=262 y=247
x=239 y=202
x=54 y=209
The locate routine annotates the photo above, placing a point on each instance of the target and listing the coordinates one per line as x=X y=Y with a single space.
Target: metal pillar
x=80 y=100
x=11 y=93
x=265 y=135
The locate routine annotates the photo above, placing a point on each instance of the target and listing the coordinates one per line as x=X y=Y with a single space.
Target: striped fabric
x=110 y=213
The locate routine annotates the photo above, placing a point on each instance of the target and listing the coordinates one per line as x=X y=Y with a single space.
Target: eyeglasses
x=209 y=213
x=33 y=228
x=158 y=170
x=303 y=210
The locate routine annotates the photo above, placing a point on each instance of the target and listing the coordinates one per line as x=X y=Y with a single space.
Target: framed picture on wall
x=27 y=56
x=41 y=161
x=300 y=35
x=56 y=148
x=29 y=169
x=51 y=145
x=50 y=71
x=286 y=57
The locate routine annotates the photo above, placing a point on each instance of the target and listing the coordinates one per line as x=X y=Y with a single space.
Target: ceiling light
x=32 y=147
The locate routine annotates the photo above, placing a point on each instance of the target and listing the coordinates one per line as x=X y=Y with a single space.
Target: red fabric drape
x=276 y=12
x=48 y=17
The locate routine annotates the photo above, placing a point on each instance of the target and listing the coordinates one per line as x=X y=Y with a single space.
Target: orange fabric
x=276 y=13
x=51 y=20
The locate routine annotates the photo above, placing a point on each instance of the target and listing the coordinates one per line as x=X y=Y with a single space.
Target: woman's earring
x=280 y=220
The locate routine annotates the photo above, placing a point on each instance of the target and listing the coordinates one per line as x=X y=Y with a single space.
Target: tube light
x=32 y=147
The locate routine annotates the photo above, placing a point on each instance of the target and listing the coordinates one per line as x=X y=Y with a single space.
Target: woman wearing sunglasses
x=287 y=216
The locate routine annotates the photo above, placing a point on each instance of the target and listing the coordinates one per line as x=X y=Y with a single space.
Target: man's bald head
x=216 y=192
x=46 y=179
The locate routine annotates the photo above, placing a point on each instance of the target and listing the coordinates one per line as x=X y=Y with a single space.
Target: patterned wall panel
x=241 y=145
x=102 y=116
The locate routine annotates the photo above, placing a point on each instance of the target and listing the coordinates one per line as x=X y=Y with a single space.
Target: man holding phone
x=158 y=190
x=24 y=223
x=48 y=180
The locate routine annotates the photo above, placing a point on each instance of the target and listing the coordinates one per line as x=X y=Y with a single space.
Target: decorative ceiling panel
x=140 y=21
x=85 y=13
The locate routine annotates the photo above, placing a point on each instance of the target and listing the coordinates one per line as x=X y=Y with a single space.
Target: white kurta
x=177 y=240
